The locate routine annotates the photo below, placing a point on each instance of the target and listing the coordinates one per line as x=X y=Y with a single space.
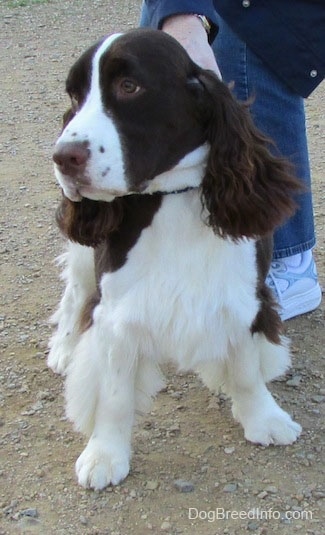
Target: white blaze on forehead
x=92 y=125
x=95 y=93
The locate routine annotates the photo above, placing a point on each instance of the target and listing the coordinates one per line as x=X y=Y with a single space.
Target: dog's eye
x=127 y=87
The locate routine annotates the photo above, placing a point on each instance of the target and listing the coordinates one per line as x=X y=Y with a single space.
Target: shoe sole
x=301 y=304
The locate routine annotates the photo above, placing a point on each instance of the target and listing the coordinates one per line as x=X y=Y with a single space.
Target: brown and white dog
x=170 y=197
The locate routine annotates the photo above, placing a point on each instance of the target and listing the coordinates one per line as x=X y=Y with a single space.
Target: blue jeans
x=280 y=114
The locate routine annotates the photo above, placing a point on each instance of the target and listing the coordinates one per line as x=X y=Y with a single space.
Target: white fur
x=187 y=173
x=189 y=297
x=80 y=283
x=105 y=167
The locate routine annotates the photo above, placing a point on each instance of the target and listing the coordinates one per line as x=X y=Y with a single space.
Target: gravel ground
x=192 y=470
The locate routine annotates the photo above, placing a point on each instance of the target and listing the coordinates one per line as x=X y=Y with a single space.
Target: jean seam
x=245 y=76
x=290 y=251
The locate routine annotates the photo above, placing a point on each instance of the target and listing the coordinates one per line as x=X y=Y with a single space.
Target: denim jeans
x=280 y=114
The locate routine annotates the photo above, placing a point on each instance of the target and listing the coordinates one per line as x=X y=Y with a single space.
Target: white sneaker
x=293 y=280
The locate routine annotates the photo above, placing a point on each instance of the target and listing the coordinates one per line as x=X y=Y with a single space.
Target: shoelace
x=271 y=281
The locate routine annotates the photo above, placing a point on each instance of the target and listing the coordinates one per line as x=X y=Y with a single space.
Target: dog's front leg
x=79 y=277
x=100 y=401
x=106 y=458
x=264 y=422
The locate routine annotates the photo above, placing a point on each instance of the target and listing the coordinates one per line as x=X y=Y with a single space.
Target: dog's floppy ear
x=246 y=190
x=88 y=222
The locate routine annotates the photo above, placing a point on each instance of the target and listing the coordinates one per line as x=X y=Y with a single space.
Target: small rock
x=45 y=395
x=318 y=399
x=285 y=520
x=151 y=485
x=28 y=522
x=252 y=526
x=183 y=486
x=176 y=395
x=174 y=430
x=40 y=472
x=230 y=487
x=165 y=526
x=318 y=494
x=33 y=513
x=295 y=381
x=262 y=495
x=83 y=520
x=229 y=451
x=271 y=489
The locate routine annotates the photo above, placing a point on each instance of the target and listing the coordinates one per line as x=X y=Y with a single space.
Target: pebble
x=151 y=485
x=271 y=489
x=252 y=526
x=318 y=494
x=285 y=520
x=174 y=430
x=318 y=399
x=295 y=381
x=26 y=523
x=165 y=526
x=229 y=450
x=230 y=487
x=176 y=395
x=29 y=512
x=183 y=486
x=262 y=495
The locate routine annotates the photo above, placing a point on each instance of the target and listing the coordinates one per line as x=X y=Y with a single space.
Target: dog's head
x=144 y=118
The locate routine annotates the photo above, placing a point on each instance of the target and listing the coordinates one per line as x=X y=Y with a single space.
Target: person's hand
x=190 y=33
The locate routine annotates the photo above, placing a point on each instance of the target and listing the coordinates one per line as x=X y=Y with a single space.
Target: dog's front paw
x=58 y=359
x=269 y=425
x=277 y=429
x=99 y=465
x=61 y=347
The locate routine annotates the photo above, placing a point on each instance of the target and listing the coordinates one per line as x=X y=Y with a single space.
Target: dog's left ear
x=246 y=190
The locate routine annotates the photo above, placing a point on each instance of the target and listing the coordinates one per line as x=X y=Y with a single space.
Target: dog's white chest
x=183 y=286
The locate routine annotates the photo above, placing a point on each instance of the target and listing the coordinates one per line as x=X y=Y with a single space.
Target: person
x=273 y=51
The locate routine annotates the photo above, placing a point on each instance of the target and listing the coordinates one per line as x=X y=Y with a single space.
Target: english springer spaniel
x=170 y=198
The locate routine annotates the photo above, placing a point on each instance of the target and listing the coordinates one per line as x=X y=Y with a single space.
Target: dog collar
x=183 y=190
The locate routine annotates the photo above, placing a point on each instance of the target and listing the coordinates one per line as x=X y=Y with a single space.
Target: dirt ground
x=233 y=487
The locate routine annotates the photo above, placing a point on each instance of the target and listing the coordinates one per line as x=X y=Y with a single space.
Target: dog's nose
x=71 y=157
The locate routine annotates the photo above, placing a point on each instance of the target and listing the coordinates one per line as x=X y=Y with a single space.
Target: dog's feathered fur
x=170 y=198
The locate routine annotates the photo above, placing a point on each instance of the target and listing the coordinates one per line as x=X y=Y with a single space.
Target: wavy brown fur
x=246 y=190
x=88 y=222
